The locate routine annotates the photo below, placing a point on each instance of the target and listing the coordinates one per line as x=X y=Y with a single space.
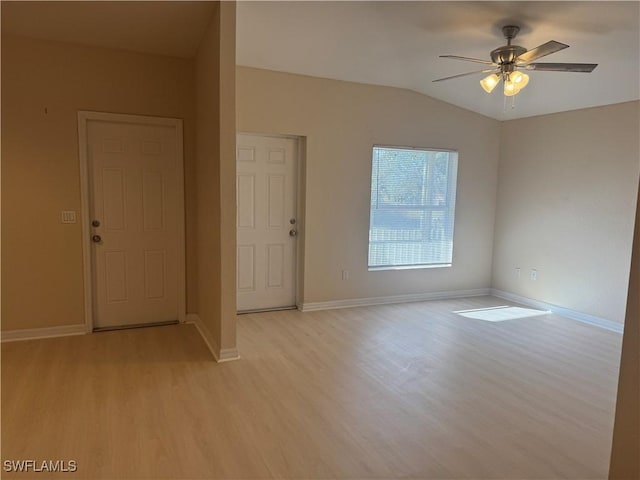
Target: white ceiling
x=385 y=43
x=398 y=43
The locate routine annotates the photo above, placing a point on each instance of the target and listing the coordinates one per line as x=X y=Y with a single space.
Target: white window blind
x=413 y=194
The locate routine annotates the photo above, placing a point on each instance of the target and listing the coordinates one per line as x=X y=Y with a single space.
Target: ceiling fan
x=508 y=61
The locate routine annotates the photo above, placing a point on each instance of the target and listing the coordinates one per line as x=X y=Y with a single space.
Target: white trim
x=182 y=249
x=85 y=222
x=409 y=267
x=226 y=355
x=83 y=118
x=127 y=118
x=416 y=297
x=301 y=205
x=565 y=312
x=422 y=149
x=46 y=332
x=194 y=318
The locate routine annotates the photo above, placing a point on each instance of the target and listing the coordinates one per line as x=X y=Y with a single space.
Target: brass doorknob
x=96 y=238
x=293 y=233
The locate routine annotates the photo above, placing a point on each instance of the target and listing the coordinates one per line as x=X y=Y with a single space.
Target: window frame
x=450 y=205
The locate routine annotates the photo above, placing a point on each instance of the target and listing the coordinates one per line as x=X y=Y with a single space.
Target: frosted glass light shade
x=520 y=79
x=510 y=88
x=490 y=82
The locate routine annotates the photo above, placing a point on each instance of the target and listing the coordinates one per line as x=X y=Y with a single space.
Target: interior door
x=135 y=202
x=266 y=222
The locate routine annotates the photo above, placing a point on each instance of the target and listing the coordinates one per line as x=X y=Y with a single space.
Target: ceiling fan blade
x=468 y=59
x=540 y=51
x=562 y=67
x=494 y=70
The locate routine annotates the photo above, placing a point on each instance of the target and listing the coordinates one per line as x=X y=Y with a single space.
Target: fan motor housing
x=507 y=54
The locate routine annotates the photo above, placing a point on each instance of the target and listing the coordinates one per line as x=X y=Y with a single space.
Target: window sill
x=409 y=267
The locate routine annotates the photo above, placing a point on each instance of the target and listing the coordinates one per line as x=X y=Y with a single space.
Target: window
x=413 y=193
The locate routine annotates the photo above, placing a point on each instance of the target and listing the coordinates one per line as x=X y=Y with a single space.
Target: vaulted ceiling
x=384 y=43
x=399 y=43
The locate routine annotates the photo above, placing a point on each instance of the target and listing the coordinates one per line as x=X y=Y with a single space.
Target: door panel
x=246 y=201
x=153 y=201
x=246 y=268
x=275 y=266
x=154 y=273
x=113 y=201
x=115 y=272
x=266 y=206
x=276 y=201
x=134 y=190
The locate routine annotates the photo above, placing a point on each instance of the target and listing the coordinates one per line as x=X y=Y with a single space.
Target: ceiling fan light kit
x=507 y=61
x=513 y=82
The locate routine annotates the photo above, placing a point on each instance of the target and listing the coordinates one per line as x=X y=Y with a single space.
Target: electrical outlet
x=345 y=274
x=534 y=274
x=518 y=272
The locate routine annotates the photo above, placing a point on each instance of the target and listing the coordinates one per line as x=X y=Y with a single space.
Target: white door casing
x=267 y=223
x=132 y=171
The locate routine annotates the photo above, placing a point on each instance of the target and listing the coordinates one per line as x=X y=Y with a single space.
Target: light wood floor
x=409 y=391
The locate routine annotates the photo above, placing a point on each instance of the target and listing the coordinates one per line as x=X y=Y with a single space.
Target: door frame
x=84 y=117
x=300 y=197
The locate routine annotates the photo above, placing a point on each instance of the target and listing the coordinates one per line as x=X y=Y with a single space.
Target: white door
x=266 y=222
x=135 y=190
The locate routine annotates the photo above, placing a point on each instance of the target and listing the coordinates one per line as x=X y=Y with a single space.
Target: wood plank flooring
x=396 y=391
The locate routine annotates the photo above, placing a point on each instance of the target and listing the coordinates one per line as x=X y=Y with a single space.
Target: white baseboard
x=47 y=332
x=416 y=297
x=565 y=312
x=226 y=354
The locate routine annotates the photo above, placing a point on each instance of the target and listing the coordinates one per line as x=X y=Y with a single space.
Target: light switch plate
x=68 y=216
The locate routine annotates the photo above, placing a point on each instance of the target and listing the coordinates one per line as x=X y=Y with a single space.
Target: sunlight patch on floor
x=502 y=313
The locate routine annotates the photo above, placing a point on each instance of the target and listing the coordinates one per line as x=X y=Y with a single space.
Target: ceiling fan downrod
x=510 y=32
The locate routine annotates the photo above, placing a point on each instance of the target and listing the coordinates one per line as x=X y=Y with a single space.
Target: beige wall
x=341 y=122
x=215 y=172
x=566 y=200
x=228 y=178
x=625 y=461
x=44 y=84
